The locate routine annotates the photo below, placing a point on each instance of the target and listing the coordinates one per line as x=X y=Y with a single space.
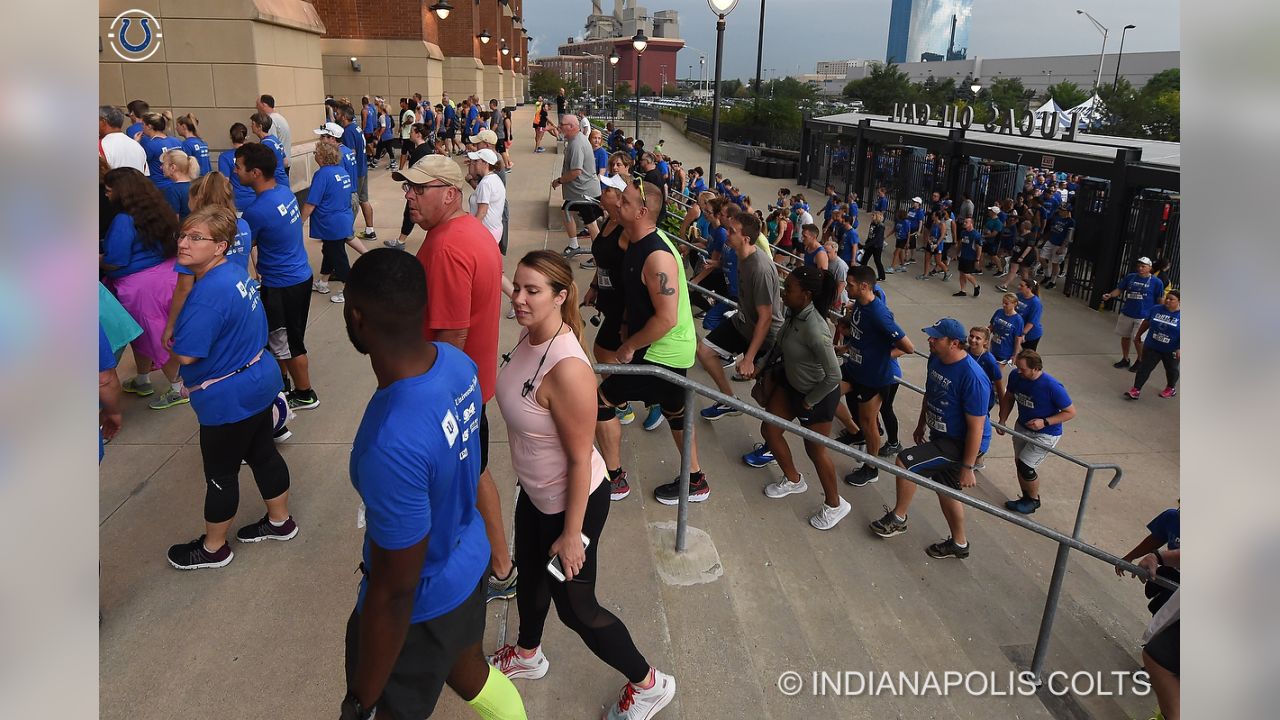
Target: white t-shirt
x=407 y=119
x=120 y=150
x=280 y=128
x=490 y=191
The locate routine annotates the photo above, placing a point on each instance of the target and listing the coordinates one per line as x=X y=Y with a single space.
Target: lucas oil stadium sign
x=1049 y=124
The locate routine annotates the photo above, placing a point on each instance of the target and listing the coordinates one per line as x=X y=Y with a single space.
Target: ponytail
x=820 y=284
x=552 y=266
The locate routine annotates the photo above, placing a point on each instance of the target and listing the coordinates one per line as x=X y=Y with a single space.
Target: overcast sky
x=799 y=33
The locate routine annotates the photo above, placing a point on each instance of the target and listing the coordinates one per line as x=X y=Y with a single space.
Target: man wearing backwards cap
x=955 y=410
x=1141 y=291
x=464 y=301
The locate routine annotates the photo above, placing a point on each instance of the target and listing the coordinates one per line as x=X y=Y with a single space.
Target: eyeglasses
x=193 y=237
x=420 y=190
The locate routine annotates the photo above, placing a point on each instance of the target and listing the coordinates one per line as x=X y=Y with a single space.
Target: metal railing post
x=686 y=461
x=1055 y=586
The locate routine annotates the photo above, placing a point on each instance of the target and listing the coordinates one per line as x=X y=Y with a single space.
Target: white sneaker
x=337 y=299
x=828 y=516
x=509 y=663
x=320 y=286
x=636 y=704
x=889 y=271
x=785 y=487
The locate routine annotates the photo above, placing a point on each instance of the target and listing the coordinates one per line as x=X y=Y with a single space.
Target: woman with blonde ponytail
x=192 y=144
x=180 y=169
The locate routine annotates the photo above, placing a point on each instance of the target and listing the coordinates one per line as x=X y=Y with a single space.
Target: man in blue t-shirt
x=1164 y=532
x=1140 y=291
x=260 y=124
x=873 y=339
x=970 y=242
x=1043 y=406
x=1059 y=228
x=352 y=138
x=957 y=393
x=275 y=225
x=415 y=462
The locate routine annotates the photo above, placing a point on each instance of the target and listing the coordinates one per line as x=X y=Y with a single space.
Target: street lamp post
x=613 y=86
x=639 y=43
x=721 y=8
x=760 y=51
x=1120 y=57
x=1102 y=29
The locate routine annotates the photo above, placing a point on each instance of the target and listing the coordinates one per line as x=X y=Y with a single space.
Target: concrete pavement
x=263 y=637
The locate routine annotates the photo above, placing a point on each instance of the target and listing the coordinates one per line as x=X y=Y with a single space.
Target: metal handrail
x=1066 y=543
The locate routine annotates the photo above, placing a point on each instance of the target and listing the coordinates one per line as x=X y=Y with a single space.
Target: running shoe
x=584 y=234
x=393 y=244
x=625 y=414
x=569 y=251
x=303 y=400
x=1121 y=364
x=862 y=476
x=889 y=525
x=912 y=261
x=508 y=662
x=848 y=438
x=338 y=299
x=132 y=385
x=961 y=293
x=1050 y=285
x=168 y=399
x=947 y=549
x=1133 y=393
x=890 y=450
x=920 y=277
x=654 y=419
x=1024 y=505
x=1002 y=288
x=284 y=433
x=719 y=410
x=977 y=289
x=635 y=703
x=501 y=588
x=759 y=456
x=669 y=494
x=1062 y=273
x=320 y=286
x=393 y=167
x=977 y=272
x=619 y=488
x=727 y=362
x=947 y=275
x=540 y=150
x=784 y=487
x=193 y=555
x=368 y=234
x=1133 y=368
x=827 y=517
x=1168 y=392
x=1002 y=274
x=889 y=271
x=264 y=529
x=588 y=264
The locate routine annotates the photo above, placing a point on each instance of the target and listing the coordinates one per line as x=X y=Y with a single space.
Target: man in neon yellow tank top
x=657 y=330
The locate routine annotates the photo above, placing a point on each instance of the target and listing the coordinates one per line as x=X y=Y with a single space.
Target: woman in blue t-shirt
x=137 y=258
x=328 y=207
x=1007 y=329
x=180 y=169
x=188 y=129
x=1032 y=312
x=1162 y=345
x=220 y=340
x=154 y=142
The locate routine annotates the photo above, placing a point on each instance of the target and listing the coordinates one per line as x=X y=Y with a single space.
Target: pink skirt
x=146 y=295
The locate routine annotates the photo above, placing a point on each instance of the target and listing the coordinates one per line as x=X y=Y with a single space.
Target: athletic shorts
x=609 y=336
x=823 y=412
x=430 y=650
x=287 y=309
x=1031 y=344
x=1165 y=647
x=1030 y=453
x=968 y=267
x=939 y=459
x=1053 y=253
x=617 y=390
x=446 y=134
x=362 y=189
x=1127 y=326
x=587 y=210
x=900 y=243
x=501 y=146
x=860 y=393
x=728 y=340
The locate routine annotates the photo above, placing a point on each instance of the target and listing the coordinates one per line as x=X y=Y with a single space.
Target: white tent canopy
x=1090 y=109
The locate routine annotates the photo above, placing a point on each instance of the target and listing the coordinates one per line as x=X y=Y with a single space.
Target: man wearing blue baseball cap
x=955 y=409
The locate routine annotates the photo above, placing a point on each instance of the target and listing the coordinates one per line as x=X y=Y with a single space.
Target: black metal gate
x=904 y=172
x=1087 y=246
x=987 y=183
x=1151 y=229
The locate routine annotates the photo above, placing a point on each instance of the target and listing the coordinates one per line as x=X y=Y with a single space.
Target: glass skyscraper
x=928 y=30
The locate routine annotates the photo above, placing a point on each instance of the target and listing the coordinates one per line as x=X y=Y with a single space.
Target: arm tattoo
x=663 y=288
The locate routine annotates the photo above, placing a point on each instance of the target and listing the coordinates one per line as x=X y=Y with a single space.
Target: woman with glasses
x=547 y=395
x=220 y=340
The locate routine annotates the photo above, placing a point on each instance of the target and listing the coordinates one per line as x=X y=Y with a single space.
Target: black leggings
x=387 y=147
x=873 y=254
x=576 y=604
x=1151 y=358
x=887 y=415
x=223 y=447
x=333 y=260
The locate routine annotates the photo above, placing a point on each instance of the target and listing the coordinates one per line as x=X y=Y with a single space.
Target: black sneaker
x=669 y=494
x=959 y=294
x=264 y=530
x=1050 y=285
x=947 y=549
x=303 y=400
x=858 y=438
x=977 y=289
x=890 y=450
x=1133 y=368
x=1121 y=364
x=193 y=556
x=1024 y=505
x=862 y=476
x=284 y=433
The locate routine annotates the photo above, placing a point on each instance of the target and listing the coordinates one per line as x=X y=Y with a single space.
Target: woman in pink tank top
x=547 y=393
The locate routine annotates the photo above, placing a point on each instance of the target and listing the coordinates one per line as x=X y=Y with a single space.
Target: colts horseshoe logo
x=134 y=35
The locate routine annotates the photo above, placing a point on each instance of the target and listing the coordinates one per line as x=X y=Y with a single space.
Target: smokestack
x=595 y=7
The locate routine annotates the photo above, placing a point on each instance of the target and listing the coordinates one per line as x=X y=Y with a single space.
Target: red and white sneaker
x=509 y=663
x=1168 y=392
x=635 y=703
x=1132 y=393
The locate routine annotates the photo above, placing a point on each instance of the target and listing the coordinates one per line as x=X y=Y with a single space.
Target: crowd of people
x=206 y=276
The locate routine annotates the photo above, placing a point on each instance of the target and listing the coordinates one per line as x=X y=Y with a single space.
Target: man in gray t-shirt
x=752 y=329
x=580 y=185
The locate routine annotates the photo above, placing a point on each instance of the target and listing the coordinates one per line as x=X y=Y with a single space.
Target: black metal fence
x=748 y=134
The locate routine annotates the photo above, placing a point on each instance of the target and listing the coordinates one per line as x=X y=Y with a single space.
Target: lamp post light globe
x=975 y=88
x=613 y=59
x=639 y=41
x=722 y=7
x=484 y=36
x=442 y=8
x=505 y=50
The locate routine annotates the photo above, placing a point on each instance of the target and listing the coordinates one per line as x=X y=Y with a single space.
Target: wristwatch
x=353 y=710
x=967 y=466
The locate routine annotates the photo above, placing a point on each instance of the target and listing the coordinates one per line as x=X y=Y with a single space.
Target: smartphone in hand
x=554 y=567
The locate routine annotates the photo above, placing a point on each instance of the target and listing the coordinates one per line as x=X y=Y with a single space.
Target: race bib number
x=602 y=279
x=1160 y=338
x=935 y=422
x=1134 y=295
x=855 y=357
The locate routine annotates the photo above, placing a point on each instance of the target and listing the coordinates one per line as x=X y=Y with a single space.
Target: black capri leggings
x=333 y=260
x=223 y=447
x=870 y=255
x=887 y=415
x=576 y=604
x=1151 y=358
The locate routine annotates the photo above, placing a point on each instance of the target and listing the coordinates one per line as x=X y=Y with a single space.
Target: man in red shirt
x=464 y=303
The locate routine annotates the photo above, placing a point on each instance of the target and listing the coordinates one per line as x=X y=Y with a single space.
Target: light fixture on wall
x=484 y=36
x=516 y=59
x=442 y=8
x=355 y=64
x=505 y=50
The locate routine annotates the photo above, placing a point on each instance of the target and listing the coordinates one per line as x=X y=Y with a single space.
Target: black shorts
x=1031 y=344
x=287 y=309
x=588 y=210
x=900 y=244
x=730 y=341
x=968 y=267
x=609 y=336
x=939 y=459
x=1165 y=647
x=617 y=390
x=860 y=393
x=501 y=146
x=446 y=134
x=484 y=437
x=823 y=412
x=430 y=651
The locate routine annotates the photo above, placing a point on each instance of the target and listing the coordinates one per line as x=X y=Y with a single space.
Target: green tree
x=646 y=91
x=1164 y=81
x=789 y=87
x=672 y=91
x=1008 y=93
x=623 y=90
x=883 y=87
x=1067 y=94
